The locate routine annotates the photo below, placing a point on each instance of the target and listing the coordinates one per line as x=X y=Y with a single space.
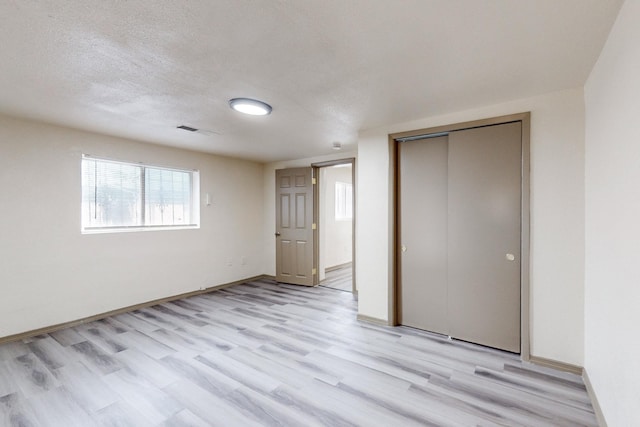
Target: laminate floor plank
x=201 y=375
x=113 y=325
x=207 y=337
x=411 y=375
x=183 y=344
x=253 y=313
x=11 y=350
x=67 y=337
x=284 y=374
x=176 y=313
x=152 y=370
x=13 y=412
x=266 y=336
x=143 y=342
x=135 y=323
x=301 y=363
x=425 y=413
x=187 y=305
x=180 y=308
x=284 y=297
x=347 y=369
x=268 y=411
x=208 y=407
x=101 y=338
x=234 y=337
x=570 y=397
x=161 y=320
x=370 y=413
x=298 y=310
x=546 y=374
x=263 y=353
x=240 y=372
x=409 y=361
x=540 y=410
x=57 y=407
x=52 y=354
x=121 y=414
x=7 y=384
x=86 y=388
x=185 y=418
x=238 y=318
x=324 y=409
x=445 y=353
x=485 y=410
x=30 y=375
x=152 y=402
x=96 y=359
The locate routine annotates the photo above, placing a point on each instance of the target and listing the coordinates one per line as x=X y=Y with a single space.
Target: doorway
x=315 y=225
x=335 y=226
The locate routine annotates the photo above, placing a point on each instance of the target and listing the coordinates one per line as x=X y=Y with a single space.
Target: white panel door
x=294 y=232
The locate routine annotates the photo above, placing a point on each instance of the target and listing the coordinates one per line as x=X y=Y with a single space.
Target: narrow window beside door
x=119 y=196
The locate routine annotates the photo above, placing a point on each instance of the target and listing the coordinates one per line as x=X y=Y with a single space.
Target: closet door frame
x=525 y=119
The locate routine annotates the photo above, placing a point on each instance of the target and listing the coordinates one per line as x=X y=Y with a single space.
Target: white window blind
x=118 y=195
x=344 y=201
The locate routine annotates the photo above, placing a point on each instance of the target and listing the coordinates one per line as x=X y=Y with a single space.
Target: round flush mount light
x=250 y=106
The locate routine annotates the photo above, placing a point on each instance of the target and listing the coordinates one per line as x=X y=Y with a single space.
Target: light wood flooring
x=263 y=354
x=339 y=278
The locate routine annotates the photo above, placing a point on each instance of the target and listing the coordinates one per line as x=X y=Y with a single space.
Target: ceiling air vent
x=189 y=128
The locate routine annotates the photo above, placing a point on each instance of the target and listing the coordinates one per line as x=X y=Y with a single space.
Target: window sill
x=137 y=229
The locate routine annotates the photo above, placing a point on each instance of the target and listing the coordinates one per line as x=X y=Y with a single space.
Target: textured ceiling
x=329 y=68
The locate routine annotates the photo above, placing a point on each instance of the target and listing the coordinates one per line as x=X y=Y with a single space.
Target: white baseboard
x=374 y=320
x=602 y=422
x=561 y=366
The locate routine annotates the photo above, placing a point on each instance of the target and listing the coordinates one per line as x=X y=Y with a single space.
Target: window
x=123 y=196
x=344 y=201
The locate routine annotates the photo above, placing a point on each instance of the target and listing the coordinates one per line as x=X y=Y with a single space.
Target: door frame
x=316 y=217
x=525 y=119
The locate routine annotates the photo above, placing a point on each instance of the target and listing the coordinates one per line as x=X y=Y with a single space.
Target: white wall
x=612 y=308
x=269 y=194
x=51 y=273
x=557 y=218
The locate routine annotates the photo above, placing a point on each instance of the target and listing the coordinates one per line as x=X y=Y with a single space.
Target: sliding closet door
x=423 y=234
x=460 y=234
x=484 y=213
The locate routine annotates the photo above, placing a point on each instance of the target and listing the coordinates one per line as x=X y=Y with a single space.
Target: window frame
x=194 y=222
x=346 y=203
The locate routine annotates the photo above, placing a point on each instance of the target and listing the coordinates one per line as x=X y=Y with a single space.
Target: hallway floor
x=341 y=278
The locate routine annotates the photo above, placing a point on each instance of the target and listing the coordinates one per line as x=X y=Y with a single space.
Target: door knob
x=510 y=257
x=277 y=234
x=403 y=248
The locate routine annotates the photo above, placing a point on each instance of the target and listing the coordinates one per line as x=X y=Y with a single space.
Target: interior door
x=423 y=233
x=484 y=213
x=294 y=226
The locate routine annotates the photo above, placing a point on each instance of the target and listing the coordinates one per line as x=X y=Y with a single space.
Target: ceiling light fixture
x=337 y=146
x=250 y=106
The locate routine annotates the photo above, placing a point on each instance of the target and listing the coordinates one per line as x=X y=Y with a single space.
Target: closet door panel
x=483 y=255
x=423 y=234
